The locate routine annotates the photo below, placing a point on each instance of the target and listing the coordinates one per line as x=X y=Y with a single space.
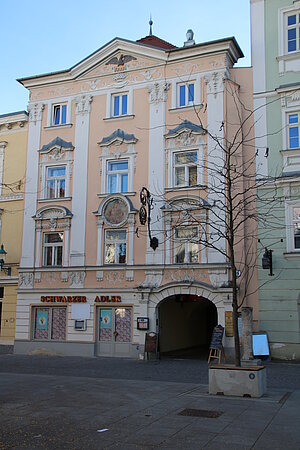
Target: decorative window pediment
x=56 y=149
x=184 y=129
x=185 y=204
x=57 y=212
x=118 y=136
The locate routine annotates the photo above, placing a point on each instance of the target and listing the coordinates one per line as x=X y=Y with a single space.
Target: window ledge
x=65 y=125
x=292 y=255
x=130 y=194
x=289 y=56
x=290 y=151
x=54 y=200
x=186 y=108
x=127 y=116
x=185 y=188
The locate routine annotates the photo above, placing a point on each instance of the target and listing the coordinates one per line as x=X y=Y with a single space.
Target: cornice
x=13 y=120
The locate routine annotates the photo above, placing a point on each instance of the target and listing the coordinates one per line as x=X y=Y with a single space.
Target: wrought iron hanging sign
x=145 y=216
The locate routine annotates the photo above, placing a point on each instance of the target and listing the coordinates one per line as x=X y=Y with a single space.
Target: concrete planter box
x=248 y=381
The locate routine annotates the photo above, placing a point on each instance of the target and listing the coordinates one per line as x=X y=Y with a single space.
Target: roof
x=16 y=113
x=155 y=41
x=150 y=45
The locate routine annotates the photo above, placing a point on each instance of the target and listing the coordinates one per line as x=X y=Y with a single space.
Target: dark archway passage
x=185 y=326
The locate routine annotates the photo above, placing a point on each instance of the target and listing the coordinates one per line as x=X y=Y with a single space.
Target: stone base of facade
x=88 y=349
x=54 y=348
x=6 y=349
x=287 y=352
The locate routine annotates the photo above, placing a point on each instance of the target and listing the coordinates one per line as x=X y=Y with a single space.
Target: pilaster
x=156 y=175
x=77 y=246
x=215 y=157
x=31 y=183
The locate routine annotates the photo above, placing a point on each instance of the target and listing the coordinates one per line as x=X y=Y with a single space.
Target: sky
x=45 y=36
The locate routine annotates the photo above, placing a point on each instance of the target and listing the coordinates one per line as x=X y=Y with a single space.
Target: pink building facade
x=131 y=115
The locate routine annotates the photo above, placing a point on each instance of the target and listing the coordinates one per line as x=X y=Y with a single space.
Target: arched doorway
x=185 y=326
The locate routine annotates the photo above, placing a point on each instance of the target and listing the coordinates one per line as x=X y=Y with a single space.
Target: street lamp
x=147 y=201
x=3 y=254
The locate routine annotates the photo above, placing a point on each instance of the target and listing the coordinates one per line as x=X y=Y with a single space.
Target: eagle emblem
x=123 y=59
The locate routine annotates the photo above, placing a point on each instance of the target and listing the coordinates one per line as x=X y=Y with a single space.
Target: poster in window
x=105 y=318
x=42 y=317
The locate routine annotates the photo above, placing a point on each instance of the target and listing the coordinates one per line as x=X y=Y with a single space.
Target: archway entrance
x=186 y=323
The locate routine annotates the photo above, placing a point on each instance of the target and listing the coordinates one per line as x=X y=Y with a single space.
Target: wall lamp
x=3 y=268
x=267 y=261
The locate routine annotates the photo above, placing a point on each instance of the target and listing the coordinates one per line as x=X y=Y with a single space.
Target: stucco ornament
x=153 y=278
x=26 y=280
x=83 y=104
x=114 y=277
x=56 y=154
x=215 y=82
x=36 y=112
x=217 y=277
x=77 y=279
x=186 y=138
x=115 y=212
x=158 y=92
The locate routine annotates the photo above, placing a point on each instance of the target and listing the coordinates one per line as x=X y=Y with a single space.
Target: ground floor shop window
x=115 y=324
x=50 y=323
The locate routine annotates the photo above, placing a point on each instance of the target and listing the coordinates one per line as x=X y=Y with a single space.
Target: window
x=59 y=114
x=185 y=94
x=296 y=228
x=49 y=323
x=119 y=104
x=293 y=32
x=186 y=245
x=185 y=168
x=53 y=249
x=56 y=181
x=293 y=127
x=117 y=176
x=115 y=247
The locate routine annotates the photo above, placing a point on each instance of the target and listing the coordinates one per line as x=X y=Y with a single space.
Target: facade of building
x=13 y=144
x=131 y=115
x=276 y=77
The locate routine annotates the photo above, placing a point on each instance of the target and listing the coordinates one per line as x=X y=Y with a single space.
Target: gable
x=118 y=63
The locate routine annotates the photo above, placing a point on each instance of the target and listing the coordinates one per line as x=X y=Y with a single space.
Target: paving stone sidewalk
x=56 y=411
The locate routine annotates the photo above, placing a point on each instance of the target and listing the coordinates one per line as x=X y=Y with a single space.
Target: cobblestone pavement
x=64 y=402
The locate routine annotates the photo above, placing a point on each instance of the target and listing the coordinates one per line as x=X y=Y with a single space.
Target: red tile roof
x=155 y=41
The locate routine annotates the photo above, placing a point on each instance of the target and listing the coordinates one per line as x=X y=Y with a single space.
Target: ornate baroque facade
x=131 y=115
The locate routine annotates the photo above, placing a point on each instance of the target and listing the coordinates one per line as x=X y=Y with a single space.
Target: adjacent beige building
x=131 y=115
x=13 y=144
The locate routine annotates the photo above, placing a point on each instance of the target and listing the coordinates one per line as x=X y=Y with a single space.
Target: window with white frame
x=119 y=104
x=293 y=130
x=296 y=228
x=186 y=168
x=53 y=249
x=49 y=323
x=186 y=245
x=59 y=114
x=55 y=182
x=185 y=94
x=115 y=247
x=293 y=31
x=117 y=176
